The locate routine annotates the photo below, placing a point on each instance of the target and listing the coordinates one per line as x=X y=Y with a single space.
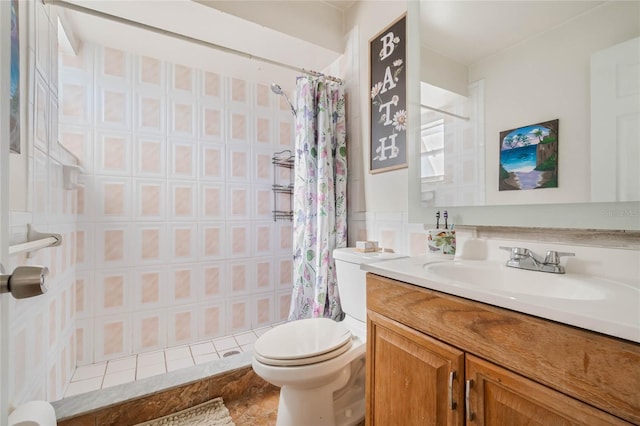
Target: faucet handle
x=516 y=252
x=553 y=257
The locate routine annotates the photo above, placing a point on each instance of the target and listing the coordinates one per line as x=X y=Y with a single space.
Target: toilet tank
x=352 y=281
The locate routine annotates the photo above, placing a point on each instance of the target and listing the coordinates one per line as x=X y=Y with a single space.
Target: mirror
x=489 y=68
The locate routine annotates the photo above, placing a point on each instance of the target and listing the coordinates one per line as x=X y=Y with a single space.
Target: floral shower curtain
x=319 y=202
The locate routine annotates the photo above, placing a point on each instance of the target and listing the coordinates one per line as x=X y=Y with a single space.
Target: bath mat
x=210 y=413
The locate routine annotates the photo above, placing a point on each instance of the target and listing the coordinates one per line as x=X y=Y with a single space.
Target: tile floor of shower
x=105 y=374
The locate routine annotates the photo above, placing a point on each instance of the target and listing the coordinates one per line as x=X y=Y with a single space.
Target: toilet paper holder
x=24 y=282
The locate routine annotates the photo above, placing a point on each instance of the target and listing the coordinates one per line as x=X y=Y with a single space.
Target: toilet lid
x=308 y=340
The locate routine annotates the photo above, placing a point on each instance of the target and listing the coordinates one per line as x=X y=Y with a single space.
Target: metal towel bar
x=35 y=241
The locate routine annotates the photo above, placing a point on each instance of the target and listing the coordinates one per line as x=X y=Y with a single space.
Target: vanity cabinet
x=437 y=359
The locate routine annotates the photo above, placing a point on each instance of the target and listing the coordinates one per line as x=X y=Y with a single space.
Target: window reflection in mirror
x=451 y=146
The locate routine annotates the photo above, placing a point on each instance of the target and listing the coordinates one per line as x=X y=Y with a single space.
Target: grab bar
x=35 y=241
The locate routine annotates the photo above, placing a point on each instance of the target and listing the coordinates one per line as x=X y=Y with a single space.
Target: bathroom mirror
x=489 y=67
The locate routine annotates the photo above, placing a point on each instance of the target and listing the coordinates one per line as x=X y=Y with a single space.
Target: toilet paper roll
x=33 y=413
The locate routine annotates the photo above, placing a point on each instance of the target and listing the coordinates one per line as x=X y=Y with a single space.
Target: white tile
x=239 y=205
x=101 y=145
x=239 y=274
x=177 y=364
x=148 y=370
x=202 y=348
x=238 y=314
x=262 y=309
x=117 y=365
x=192 y=212
x=151 y=358
x=225 y=343
x=263 y=269
x=102 y=290
x=126 y=376
x=260 y=331
x=119 y=321
x=83 y=386
x=89 y=371
x=177 y=353
x=247 y=348
x=148 y=141
x=204 y=358
x=245 y=338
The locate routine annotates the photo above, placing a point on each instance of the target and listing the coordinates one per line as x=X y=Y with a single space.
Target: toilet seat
x=302 y=342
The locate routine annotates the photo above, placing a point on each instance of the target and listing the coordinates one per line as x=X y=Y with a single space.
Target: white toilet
x=319 y=363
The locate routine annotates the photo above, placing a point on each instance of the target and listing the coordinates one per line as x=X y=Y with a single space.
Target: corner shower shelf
x=280 y=160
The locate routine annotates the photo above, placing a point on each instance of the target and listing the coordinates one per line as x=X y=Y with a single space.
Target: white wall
x=547 y=78
x=41 y=340
x=382 y=192
x=440 y=71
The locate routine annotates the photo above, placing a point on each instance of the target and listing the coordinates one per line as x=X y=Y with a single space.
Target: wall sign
x=388 y=78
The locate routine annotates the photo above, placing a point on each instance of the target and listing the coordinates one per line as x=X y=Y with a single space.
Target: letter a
x=388 y=80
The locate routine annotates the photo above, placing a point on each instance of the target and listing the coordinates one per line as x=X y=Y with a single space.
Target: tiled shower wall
x=175 y=240
x=42 y=340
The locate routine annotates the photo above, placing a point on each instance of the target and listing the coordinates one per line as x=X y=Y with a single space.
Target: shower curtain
x=319 y=202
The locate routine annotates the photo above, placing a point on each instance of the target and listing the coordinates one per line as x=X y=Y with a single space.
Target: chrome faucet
x=523 y=258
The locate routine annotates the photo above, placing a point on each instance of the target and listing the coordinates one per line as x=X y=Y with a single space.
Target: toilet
x=318 y=363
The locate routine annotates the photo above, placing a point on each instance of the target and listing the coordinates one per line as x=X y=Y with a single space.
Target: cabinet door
x=499 y=397
x=412 y=379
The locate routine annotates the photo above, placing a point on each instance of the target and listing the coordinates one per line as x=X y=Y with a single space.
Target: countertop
x=616 y=315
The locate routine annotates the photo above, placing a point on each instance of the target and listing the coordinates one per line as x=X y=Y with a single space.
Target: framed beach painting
x=529 y=157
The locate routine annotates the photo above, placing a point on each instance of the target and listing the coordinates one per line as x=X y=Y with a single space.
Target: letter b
x=387 y=45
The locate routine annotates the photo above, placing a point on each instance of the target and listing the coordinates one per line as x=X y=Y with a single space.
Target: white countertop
x=616 y=315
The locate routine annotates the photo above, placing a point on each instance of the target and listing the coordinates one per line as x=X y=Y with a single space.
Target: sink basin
x=499 y=277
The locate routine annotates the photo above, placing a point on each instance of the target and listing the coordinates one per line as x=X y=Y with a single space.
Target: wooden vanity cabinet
x=413 y=377
x=425 y=348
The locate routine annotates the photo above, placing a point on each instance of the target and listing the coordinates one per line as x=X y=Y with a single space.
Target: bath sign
x=388 y=79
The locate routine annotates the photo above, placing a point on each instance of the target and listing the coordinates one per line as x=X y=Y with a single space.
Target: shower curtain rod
x=183 y=37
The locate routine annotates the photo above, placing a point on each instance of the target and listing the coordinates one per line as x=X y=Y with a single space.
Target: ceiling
x=468 y=31
x=309 y=34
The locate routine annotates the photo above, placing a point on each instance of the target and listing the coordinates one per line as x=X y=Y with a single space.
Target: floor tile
x=245 y=338
x=179 y=352
x=204 y=358
x=176 y=364
x=156 y=357
x=202 y=348
x=128 y=369
x=128 y=363
x=148 y=370
x=89 y=371
x=225 y=343
x=83 y=386
x=119 y=378
x=260 y=331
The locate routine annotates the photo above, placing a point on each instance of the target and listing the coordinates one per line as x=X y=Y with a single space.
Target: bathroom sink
x=498 y=277
x=606 y=304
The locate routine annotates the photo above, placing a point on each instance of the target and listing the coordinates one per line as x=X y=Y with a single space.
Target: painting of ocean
x=529 y=157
